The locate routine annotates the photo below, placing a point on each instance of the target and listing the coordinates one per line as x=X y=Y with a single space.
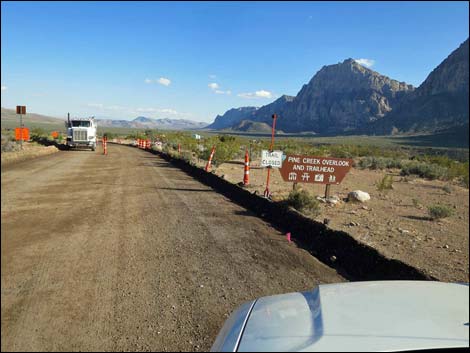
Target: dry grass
x=30 y=150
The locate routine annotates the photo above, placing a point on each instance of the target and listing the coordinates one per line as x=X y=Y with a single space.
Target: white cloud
x=213 y=86
x=101 y=106
x=168 y=111
x=4 y=88
x=365 y=62
x=95 y=105
x=164 y=81
x=145 y=110
x=115 y=107
x=161 y=112
x=258 y=94
x=218 y=91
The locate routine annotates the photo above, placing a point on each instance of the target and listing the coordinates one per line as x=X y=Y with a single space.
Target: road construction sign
x=272 y=159
x=21 y=134
x=315 y=170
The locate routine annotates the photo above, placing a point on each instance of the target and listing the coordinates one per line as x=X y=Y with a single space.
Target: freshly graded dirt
x=395 y=222
x=125 y=252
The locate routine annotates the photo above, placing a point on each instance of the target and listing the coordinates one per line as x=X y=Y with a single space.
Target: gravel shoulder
x=125 y=252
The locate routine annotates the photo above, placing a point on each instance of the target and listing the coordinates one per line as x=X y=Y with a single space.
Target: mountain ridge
x=338 y=98
x=151 y=123
x=441 y=102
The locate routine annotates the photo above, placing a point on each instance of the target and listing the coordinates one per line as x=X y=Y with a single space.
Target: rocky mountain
x=441 y=102
x=339 y=98
x=232 y=117
x=142 y=122
x=264 y=114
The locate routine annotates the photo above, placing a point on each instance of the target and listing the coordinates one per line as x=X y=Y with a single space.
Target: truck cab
x=81 y=132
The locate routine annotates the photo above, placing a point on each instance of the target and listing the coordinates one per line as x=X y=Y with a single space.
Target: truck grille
x=80 y=135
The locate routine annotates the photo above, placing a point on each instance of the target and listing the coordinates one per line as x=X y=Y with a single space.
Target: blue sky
x=195 y=60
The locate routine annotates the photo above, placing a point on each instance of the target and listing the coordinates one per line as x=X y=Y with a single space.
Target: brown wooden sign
x=316 y=170
x=21 y=109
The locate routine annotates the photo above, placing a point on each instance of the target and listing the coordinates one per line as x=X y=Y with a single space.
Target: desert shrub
x=447 y=189
x=424 y=170
x=454 y=169
x=379 y=163
x=351 y=151
x=226 y=148
x=10 y=146
x=460 y=171
x=225 y=152
x=186 y=155
x=386 y=183
x=439 y=211
x=302 y=201
x=464 y=180
x=226 y=138
x=38 y=134
x=416 y=203
x=109 y=135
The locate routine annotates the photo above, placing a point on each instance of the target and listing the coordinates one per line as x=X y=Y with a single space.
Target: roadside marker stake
x=246 y=176
x=288 y=237
x=105 y=145
x=267 y=193
x=209 y=162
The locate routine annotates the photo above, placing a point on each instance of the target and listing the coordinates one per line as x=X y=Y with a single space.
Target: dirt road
x=125 y=252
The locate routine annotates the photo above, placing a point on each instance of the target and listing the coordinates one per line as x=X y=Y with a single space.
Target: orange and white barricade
x=209 y=162
x=246 y=175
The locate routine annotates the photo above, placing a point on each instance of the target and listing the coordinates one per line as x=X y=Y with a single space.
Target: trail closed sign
x=271 y=159
x=315 y=170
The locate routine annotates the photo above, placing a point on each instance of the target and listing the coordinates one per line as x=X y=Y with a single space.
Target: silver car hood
x=361 y=316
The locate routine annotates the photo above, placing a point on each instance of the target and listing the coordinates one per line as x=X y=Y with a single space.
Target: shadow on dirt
x=418 y=218
x=46 y=142
x=350 y=258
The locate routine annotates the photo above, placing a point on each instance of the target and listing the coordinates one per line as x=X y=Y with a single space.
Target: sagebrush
x=302 y=201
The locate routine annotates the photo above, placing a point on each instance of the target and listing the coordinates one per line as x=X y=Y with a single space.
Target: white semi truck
x=81 y=132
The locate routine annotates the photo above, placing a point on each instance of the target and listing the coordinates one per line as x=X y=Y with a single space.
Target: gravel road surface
x=126 y=252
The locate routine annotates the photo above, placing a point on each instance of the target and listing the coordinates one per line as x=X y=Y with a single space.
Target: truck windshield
x=80 y=123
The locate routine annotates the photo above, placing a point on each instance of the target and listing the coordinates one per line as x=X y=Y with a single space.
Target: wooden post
x=327 y=191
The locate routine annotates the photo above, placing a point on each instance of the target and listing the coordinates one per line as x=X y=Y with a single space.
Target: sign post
x=21 y=109
x=267 y=193
x=327 y=191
